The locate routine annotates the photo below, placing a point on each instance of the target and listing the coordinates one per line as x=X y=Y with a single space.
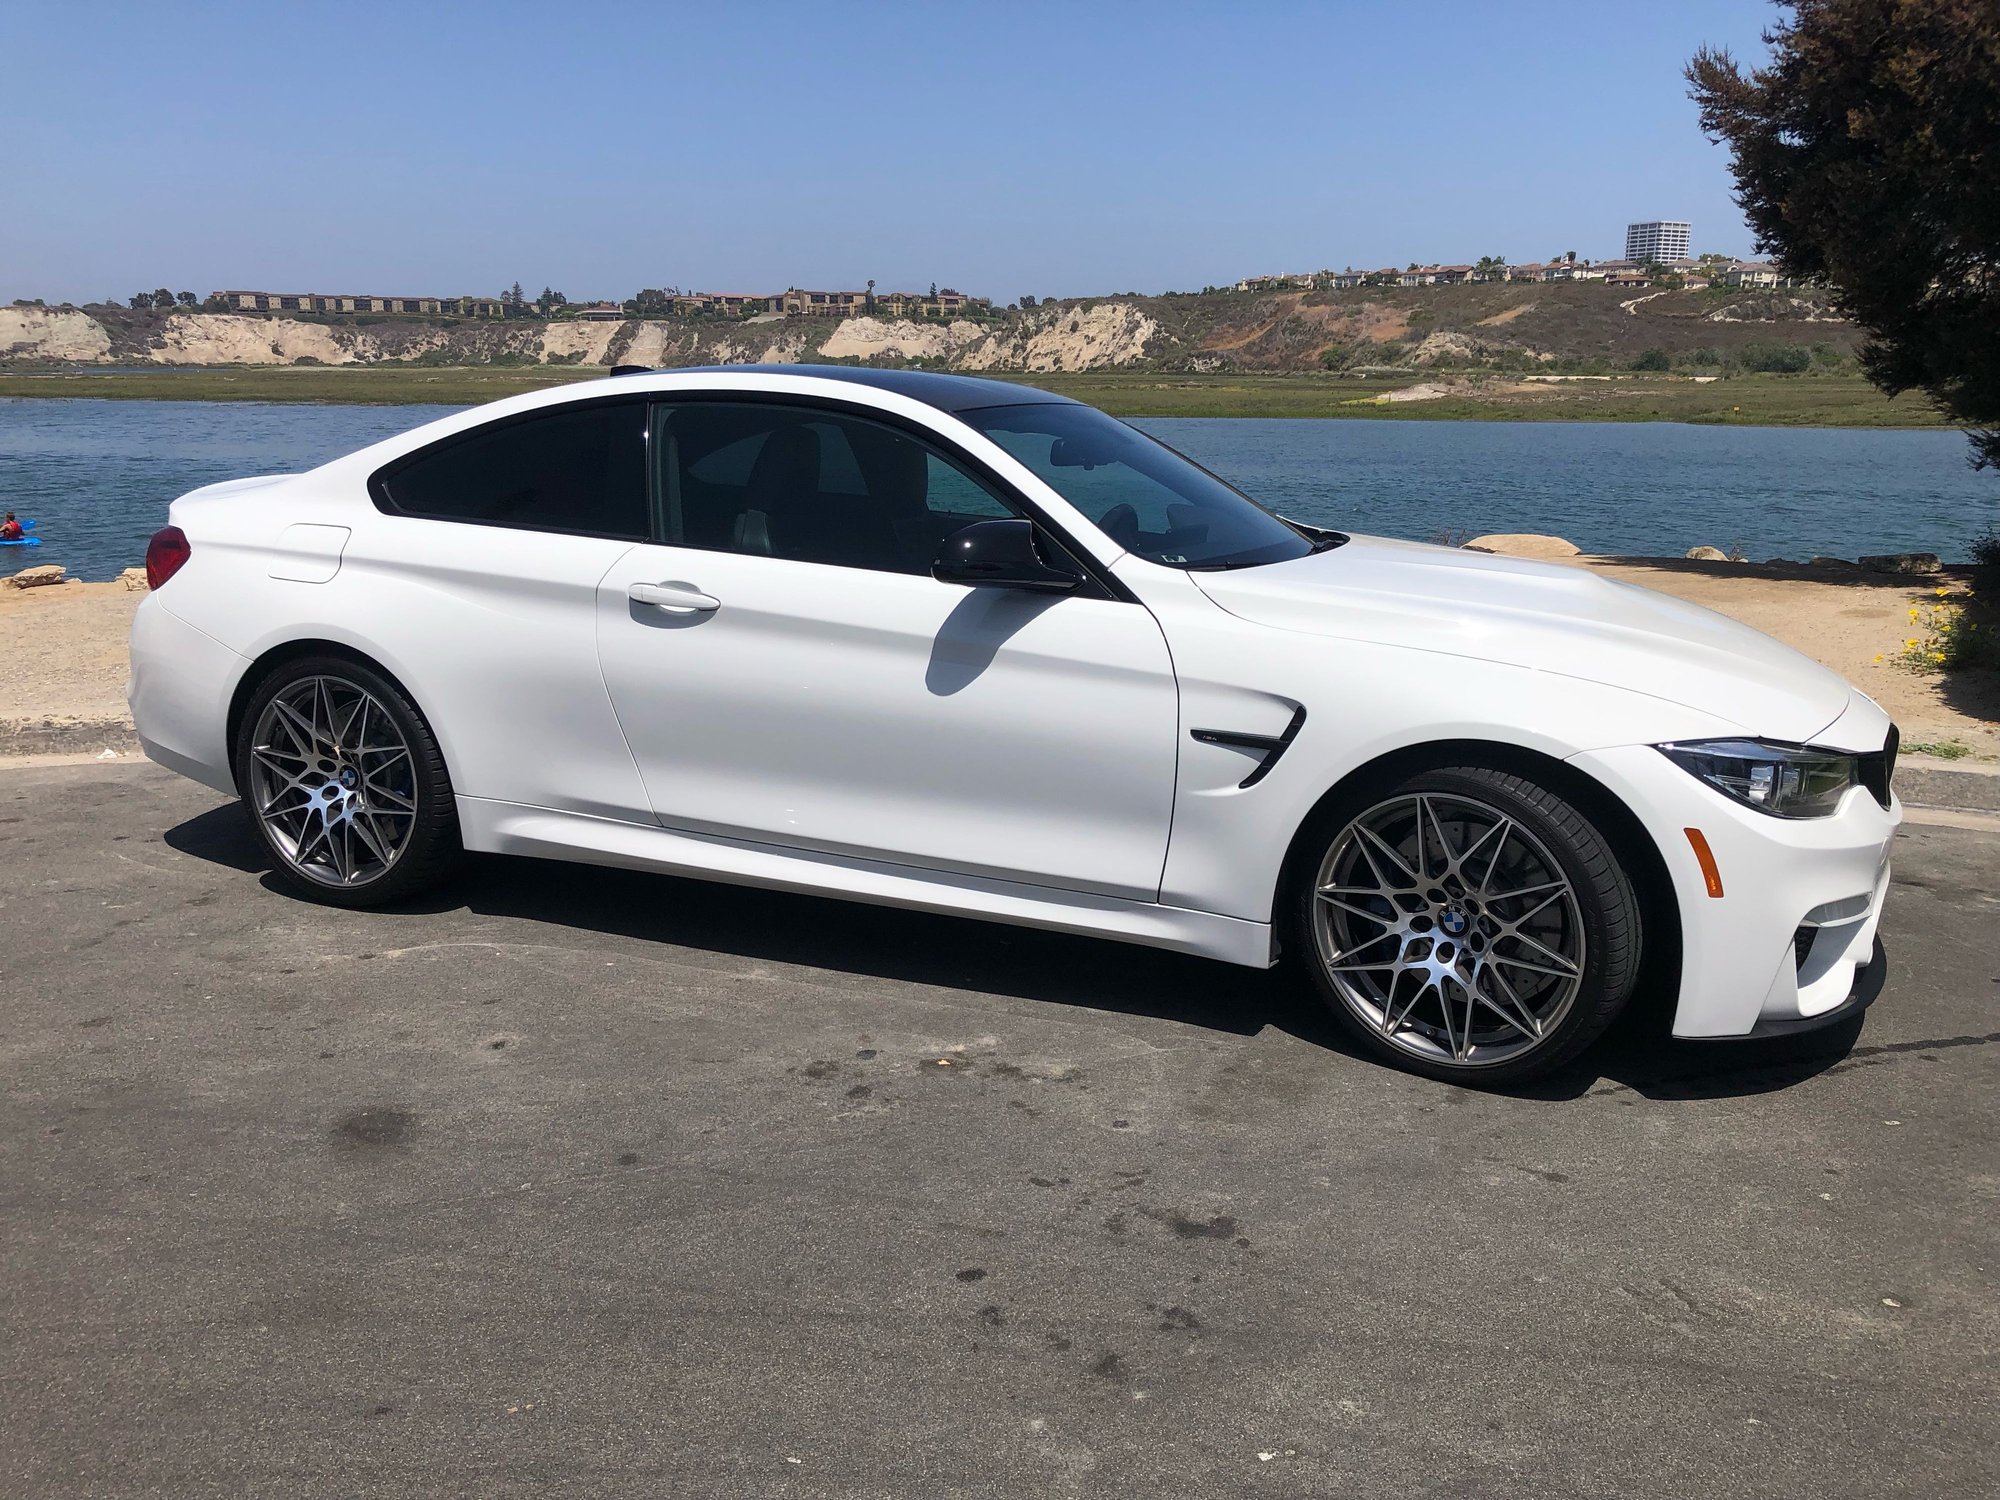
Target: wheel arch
x=1646 y=866
x=297 y=650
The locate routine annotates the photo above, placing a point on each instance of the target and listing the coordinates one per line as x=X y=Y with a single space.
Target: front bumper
x=1787 y=944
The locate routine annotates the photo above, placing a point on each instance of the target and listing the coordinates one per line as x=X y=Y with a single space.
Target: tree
x=868 y=301
x=651 y=303
x=1863 y=156
x=163 y=298
x=1570 y=256
x=933 y=289
x=142 y=299
x=1027 y=303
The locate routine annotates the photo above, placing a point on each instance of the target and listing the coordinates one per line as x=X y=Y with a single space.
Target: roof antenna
x=631 y=370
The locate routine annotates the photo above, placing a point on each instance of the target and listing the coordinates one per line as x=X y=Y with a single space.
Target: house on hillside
x=354 y=303
x=1532 y=271
x=733 y=304
x=1572 y=270
x=1753 y=274
x=944 y=303
x=599 y=312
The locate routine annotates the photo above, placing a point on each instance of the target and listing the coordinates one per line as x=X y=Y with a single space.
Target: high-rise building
x=1661 y=240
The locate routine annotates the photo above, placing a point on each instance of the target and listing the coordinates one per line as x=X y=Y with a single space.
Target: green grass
x=368 y=385
x=1747 y=400
x=1942 y=749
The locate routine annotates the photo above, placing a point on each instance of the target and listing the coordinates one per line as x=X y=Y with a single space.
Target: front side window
x=578 y=469
x=810 y=485
x=1137 y=491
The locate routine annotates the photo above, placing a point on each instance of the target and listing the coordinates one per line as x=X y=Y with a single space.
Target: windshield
x=1137 y=491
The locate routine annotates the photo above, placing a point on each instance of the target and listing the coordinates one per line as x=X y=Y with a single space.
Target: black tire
x=430 y=850
x=1606 y=910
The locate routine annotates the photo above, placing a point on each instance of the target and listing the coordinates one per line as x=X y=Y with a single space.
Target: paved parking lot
x=579 y=1182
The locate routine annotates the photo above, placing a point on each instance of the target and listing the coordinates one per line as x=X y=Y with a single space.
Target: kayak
x=26 y=541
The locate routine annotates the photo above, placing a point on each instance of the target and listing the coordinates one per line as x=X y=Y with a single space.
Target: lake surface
x=98 y=476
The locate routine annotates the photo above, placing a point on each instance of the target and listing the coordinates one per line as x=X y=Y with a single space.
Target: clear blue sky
x=1060 y=149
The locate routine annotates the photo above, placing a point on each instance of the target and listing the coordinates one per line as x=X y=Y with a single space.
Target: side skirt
x=510 y=828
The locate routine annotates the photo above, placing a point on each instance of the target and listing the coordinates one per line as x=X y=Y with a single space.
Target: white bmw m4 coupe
x=964 y=646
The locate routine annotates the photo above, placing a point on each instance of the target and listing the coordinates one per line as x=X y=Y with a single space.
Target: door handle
x=674 y=596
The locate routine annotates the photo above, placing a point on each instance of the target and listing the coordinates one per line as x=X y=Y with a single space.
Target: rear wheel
x=1466 y=924
x=345 y=784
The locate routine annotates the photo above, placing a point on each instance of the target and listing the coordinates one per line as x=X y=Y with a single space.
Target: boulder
x=1523 y=544
x=1706 y=554
x=1903 y=562
x=1817 y=561
x=134 y=578
x=34 y=578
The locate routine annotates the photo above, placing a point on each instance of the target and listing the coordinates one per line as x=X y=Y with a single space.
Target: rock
x=1903 y=562
x=1707 y=554
x=1523 y=544
x=1828 y=562
x=34 y=578
x=134 y=578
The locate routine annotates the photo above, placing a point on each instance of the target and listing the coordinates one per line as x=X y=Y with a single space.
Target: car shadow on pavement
x=1057 y=968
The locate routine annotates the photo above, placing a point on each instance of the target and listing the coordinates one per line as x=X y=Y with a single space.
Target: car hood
x=1544 y=616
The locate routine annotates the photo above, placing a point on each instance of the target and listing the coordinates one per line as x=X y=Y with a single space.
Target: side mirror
x=1001 y=555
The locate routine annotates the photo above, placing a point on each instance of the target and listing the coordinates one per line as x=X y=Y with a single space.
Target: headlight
x=1786 y=781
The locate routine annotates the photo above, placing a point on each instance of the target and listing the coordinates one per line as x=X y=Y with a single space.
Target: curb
x=50 y=737
x=1923 y=782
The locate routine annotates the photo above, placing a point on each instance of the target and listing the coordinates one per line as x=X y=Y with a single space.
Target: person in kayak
x=10 y=529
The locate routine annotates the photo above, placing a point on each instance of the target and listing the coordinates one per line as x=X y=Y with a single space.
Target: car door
x=787 y=671
x=478 y=585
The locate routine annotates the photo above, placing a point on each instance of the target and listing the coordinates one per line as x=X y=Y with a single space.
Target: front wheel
x=1467 y=924
x=345 y=784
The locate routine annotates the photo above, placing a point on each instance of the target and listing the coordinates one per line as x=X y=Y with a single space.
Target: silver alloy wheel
x=333 y=781
x=1449 y=929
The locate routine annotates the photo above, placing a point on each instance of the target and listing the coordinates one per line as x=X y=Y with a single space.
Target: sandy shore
x=65 y=663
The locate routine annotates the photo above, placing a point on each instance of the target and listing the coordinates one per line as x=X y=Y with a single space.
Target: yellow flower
x=1937 y=656
x=1940 y=593
x=1878 y=659
x=1911 y=643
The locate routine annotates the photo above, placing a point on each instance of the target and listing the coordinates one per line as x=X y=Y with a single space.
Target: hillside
x=1496 y=326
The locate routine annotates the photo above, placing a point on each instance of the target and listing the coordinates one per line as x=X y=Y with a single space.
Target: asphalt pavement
x=588 y=1183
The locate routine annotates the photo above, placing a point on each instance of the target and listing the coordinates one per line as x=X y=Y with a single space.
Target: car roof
x=952 y=393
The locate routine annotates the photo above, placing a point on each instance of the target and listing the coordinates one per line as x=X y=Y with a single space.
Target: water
x=1648 y=488
x=98 y=476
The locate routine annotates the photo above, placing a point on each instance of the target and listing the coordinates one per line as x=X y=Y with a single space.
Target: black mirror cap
x=1002 y=555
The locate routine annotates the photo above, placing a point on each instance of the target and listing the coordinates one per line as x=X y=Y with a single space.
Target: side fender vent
x=1267 y=747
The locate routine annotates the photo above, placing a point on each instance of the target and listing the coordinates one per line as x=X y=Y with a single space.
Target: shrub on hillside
x=1775 y=359
x=1651 y=359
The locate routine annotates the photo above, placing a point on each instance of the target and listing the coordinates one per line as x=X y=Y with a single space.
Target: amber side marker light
x=1705 y=857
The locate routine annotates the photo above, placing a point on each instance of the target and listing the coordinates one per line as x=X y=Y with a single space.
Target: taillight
x=164 y=555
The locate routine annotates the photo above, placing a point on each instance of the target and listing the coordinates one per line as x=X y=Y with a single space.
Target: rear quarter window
x=580 y=469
